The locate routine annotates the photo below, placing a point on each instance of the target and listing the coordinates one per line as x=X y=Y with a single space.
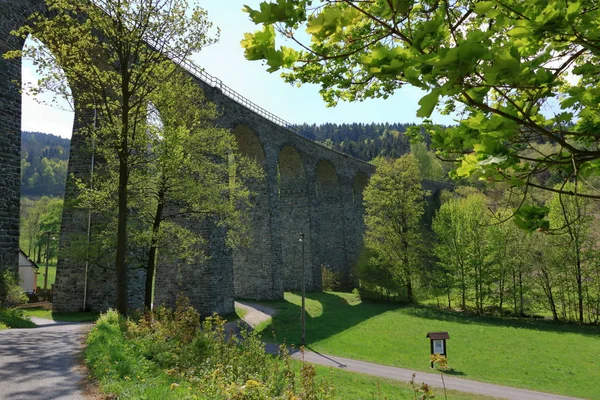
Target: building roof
x=29 y=259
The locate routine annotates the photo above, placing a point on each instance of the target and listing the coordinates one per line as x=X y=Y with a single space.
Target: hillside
x=44 y=159
x=364 y=141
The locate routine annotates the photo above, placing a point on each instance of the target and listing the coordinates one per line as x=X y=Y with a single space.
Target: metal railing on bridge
x=215 y=82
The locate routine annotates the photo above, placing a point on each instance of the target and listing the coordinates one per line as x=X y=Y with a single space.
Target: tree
x=461 y=227
x=430 y=166
x=571 y=218
x=393 y=209
x=190 y=158
x=515 y=72
x=113 y=54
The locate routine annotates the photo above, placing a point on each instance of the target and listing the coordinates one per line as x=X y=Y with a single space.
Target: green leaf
x=532 y=218
x=483 y=7
x=428 y=103
x=519 y=31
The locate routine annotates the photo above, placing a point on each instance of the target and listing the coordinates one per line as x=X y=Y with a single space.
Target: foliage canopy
x=514 y=72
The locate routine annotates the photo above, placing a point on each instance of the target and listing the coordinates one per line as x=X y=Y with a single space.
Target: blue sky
x=225 y=60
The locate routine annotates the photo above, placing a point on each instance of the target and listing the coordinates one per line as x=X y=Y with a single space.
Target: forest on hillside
x=44 y=160
x=364 y=141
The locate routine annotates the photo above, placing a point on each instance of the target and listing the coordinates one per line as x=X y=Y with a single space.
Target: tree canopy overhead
x=516 y=73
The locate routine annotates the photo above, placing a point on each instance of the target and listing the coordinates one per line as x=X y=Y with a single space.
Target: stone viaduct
x=309 y=188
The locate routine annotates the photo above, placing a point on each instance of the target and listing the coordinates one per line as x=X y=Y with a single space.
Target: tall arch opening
x=294 y=205
x=331 y=222
x=359 y=183
x=253 y=270
x=35 y=133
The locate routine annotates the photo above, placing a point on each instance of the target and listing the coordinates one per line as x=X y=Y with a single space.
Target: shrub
x=11 y=294
x=333 y=281
x=174 y=355
x=13 y=318
x=376 y=279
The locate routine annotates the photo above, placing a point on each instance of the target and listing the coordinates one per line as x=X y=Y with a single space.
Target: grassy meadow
x=538 y=355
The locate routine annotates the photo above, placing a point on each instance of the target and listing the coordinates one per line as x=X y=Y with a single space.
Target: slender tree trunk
x=547 y=287
x=521 y=311
x=514 y=291
x=463 y=287
x=153 y=249
x=579 y=287
x=120 y=262
x=501 y=287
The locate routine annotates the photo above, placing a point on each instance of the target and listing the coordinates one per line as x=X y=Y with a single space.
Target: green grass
x=530 y=354
x=51 y=274
x=63 y=317
x=13 y=318
x=241 y=312
x=349 y=385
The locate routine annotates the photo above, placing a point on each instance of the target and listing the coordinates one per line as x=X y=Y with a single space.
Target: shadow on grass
x=429 y=312
x=82 y=316
x=337 y=316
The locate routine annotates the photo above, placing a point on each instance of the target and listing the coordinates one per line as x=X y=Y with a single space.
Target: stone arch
x=359 y=183
x=330 y=219
x=295 y=207
x=13 y=15
x=357 y=212
x=74 y=288
x=253 y=270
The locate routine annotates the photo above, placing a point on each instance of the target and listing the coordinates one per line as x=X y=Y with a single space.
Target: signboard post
x=437 y=342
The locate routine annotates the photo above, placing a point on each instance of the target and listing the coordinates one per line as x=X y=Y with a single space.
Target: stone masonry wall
x=12 y=16
x=287 y=202
x=308 y=188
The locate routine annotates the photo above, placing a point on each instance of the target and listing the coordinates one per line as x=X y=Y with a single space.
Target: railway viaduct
x=309 y=188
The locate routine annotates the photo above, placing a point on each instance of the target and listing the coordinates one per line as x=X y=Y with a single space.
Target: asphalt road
x=40 y=363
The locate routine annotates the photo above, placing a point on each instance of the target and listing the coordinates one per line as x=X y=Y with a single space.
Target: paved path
x=256 y=313
x=39 y=363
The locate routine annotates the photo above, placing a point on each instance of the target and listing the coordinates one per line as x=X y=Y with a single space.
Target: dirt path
x=41 y=363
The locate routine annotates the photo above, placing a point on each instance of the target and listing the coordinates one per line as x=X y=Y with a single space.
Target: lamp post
x=47 y=257
x=303 y=290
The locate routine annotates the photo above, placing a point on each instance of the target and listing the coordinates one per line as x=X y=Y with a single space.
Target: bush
x=333 y=281
x=376 y=281
x=11 y=294
x=13 y=318
x=173 y=355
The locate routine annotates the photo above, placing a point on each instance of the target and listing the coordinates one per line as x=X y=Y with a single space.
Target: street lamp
x=303 y=289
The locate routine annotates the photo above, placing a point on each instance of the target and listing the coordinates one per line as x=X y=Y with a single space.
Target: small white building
x=27 y=272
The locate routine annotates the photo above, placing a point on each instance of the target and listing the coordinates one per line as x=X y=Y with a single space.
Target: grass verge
x=530 y=354
x=350 y=385
x=62 y=317
x=14 y=318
